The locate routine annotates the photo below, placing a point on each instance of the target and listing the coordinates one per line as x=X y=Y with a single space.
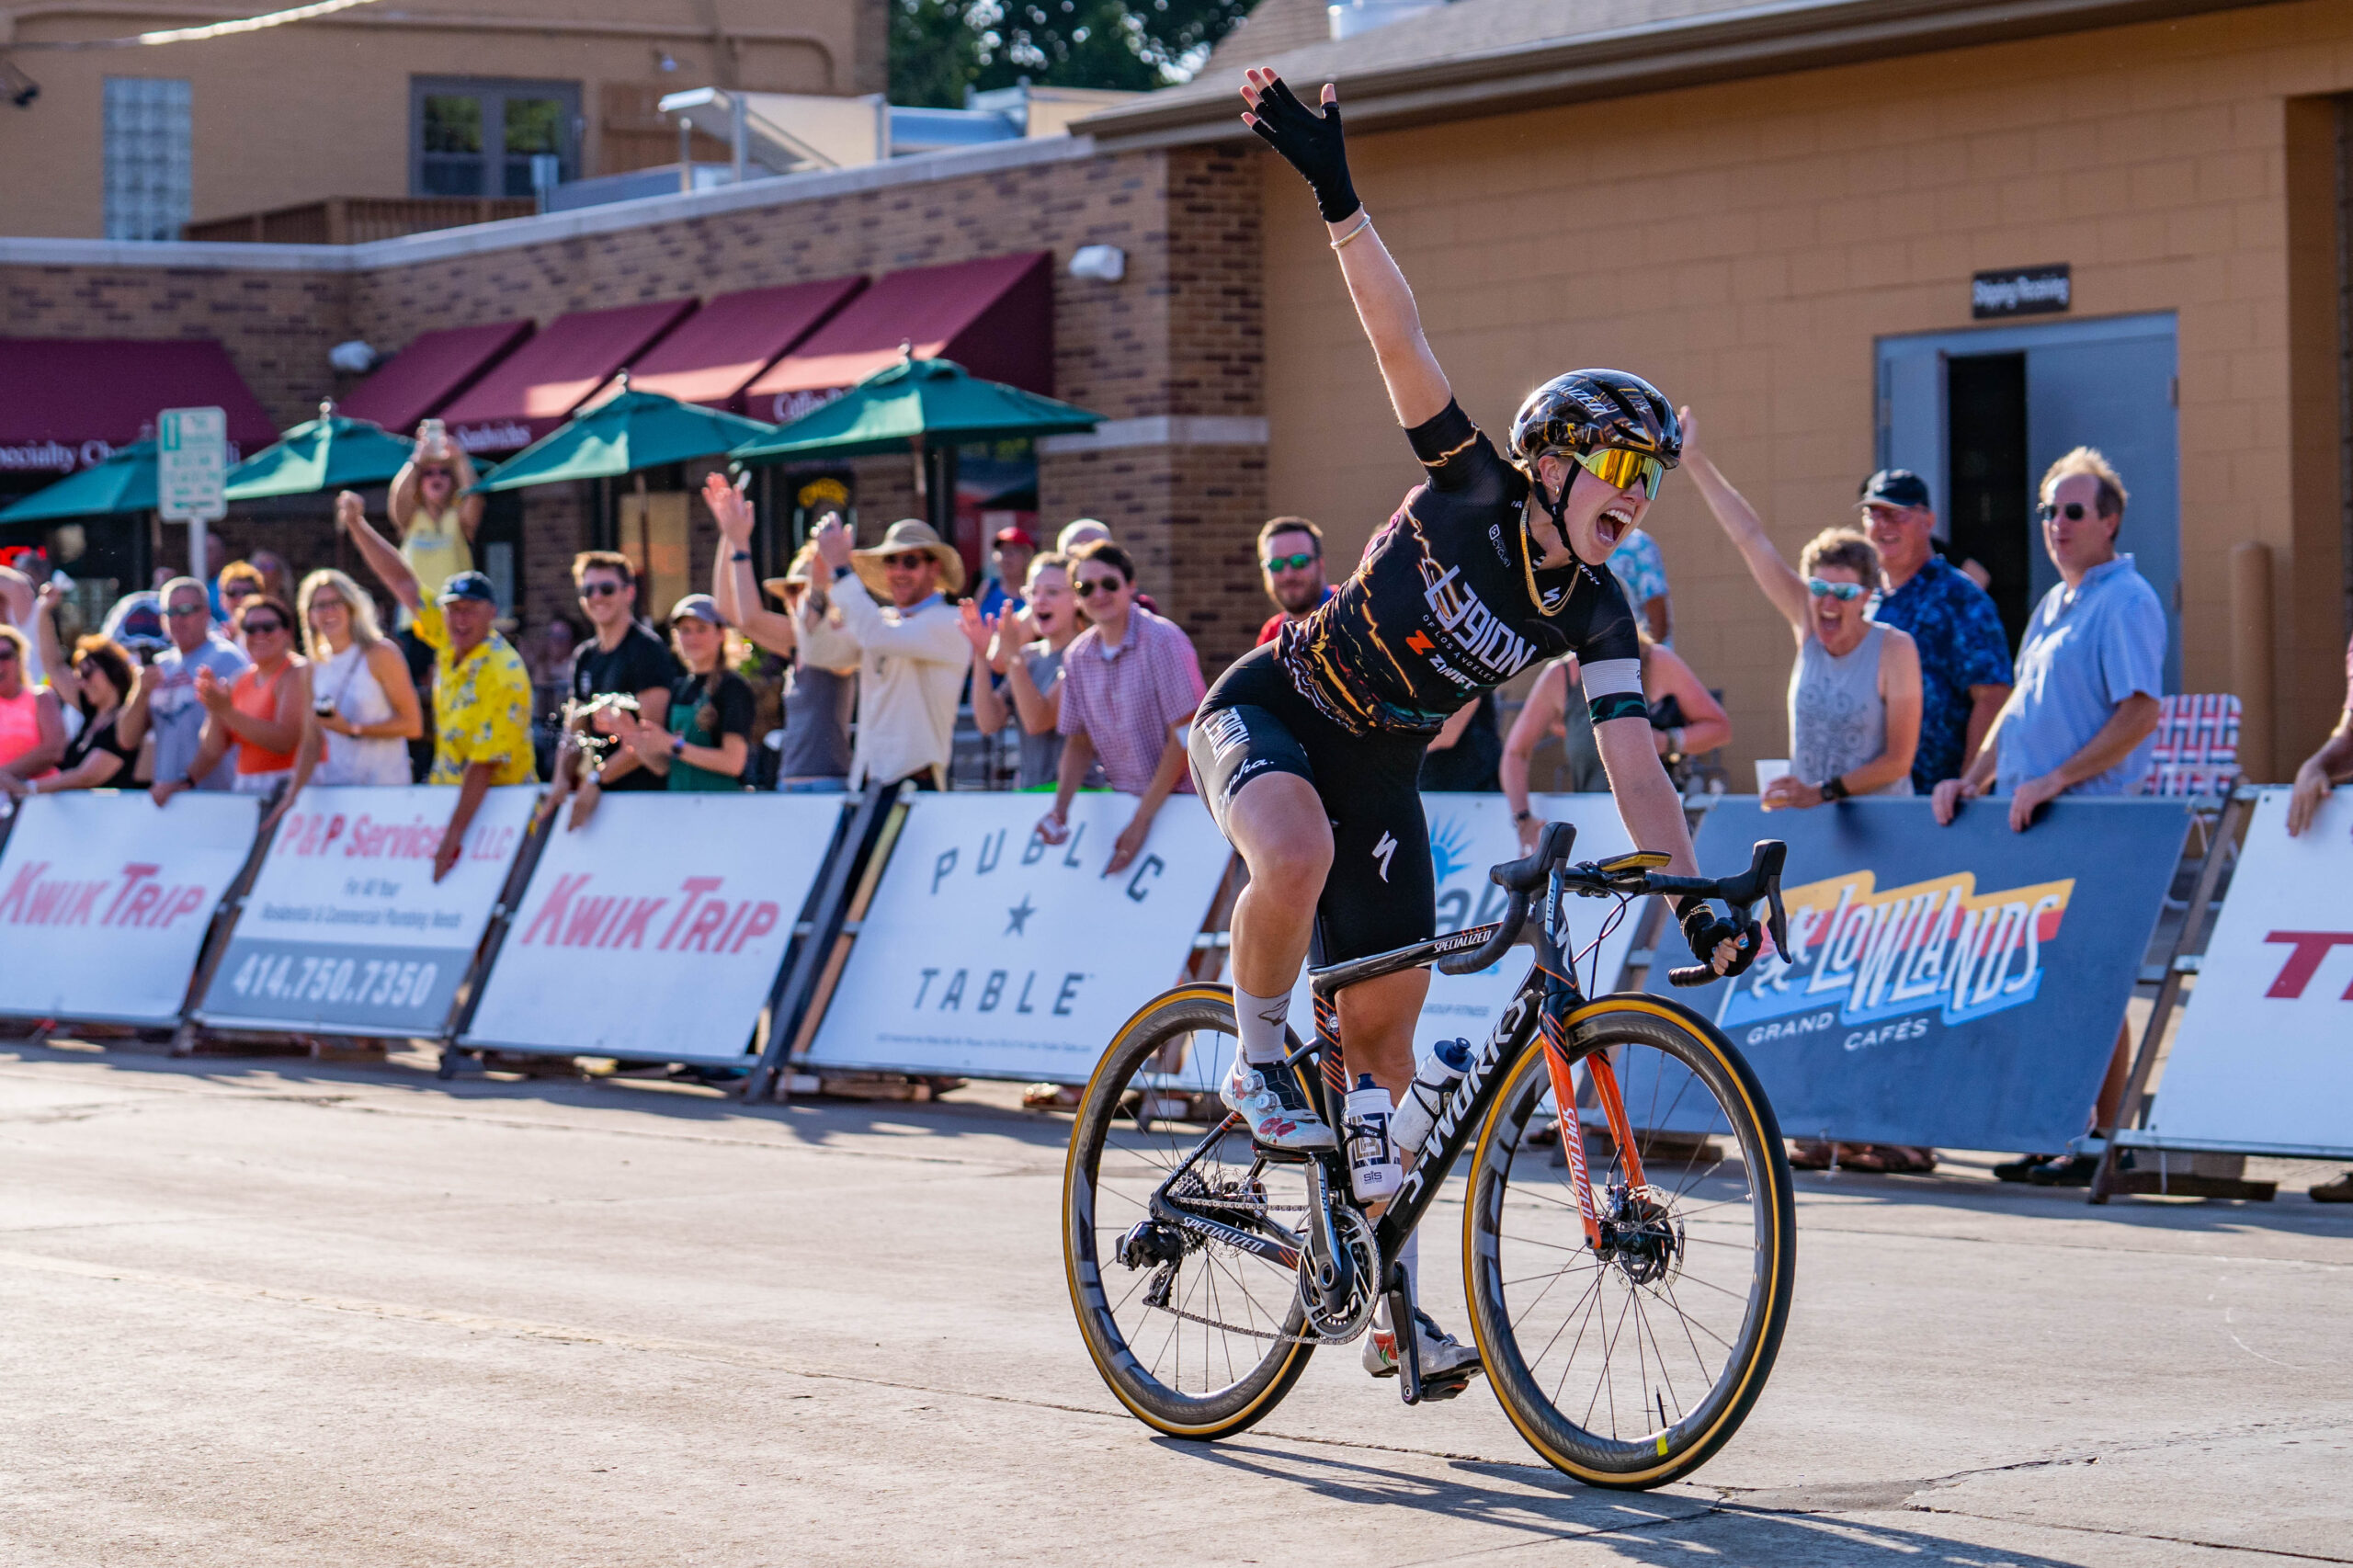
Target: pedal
x=1446 y=1388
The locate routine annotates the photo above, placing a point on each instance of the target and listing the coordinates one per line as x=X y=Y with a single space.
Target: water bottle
x=1414 y=1118
x=1373 y=1171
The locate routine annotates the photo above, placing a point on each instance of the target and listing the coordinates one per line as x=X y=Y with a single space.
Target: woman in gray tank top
x=818 y=700
x=1854 y=689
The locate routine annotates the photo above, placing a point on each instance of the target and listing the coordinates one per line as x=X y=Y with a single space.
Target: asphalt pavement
x=264 y=1312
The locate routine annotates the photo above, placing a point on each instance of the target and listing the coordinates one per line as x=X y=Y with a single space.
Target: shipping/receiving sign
x=2264 y=1060
x=2021 y=292
x=656 y=930
x=347 y=931
x=105 y=899
x=987 y=953
x=1469 y=836
x=1959 y=986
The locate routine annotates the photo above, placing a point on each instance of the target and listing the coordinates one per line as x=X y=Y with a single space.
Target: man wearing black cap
x=1964 y=655
x=482 y=694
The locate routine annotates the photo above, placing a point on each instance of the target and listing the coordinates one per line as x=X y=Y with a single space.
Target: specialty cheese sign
x=105 y=899
x=656 y=930
x=347 y=931
x=2264 y=1060
x=989 y=953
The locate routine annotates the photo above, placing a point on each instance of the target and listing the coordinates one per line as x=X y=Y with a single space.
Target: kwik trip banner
x=2264 y=1060
x=1959 y=985
x=657 y=930
x=987 y=953
x=347 y=931
x=105 y=899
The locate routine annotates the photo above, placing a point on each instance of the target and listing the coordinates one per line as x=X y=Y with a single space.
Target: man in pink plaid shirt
x=1130 y=682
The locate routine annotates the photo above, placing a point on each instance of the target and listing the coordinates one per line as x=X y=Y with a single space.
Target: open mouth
x=1614 y=523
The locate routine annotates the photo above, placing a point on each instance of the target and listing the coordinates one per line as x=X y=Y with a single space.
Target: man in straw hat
x=912 y=655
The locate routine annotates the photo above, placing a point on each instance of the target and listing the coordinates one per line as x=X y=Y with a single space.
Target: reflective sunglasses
x=1299 y=562
x=1845 y=593
x=181 y=612
x=1087 y=587
x=263 y=628
x=907 y=561
x=2073 y=511
x=1619 y=468
x=600 y=590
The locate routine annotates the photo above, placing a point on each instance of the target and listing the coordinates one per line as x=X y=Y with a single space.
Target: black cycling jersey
x=1448 y=603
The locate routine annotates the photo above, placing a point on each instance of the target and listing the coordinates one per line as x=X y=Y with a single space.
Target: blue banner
x=1958 y=986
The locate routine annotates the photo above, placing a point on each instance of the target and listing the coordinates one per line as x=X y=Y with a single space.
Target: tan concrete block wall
x=1745 y=245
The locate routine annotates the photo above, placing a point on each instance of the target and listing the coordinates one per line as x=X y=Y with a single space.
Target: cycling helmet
x=1586 y=411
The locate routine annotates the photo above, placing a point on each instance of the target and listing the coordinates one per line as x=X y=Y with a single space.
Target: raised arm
x=732 y=583
x=62 y=677
x=384 y=560
x=1780 y=580
x=469 y=506
x=1313 y=143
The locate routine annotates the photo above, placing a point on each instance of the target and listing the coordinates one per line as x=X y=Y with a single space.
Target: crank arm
x=1401 y=1324
x=1335 y=1272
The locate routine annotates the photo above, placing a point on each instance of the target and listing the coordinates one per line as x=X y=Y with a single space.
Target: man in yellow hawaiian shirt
x=482 y=694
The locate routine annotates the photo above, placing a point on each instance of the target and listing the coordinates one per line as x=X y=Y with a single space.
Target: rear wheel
x=1627 y=1361
x=1197 y=1336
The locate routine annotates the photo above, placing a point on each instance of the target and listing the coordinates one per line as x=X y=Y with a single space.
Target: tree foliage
x=939 y=48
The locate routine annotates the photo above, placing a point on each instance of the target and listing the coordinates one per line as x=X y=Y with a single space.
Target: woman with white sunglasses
x=1854 y=689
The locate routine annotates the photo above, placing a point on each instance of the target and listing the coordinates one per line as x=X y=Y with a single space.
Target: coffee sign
x=2021 y=292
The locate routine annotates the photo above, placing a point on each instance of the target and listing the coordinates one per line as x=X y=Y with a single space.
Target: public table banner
x=987 y=953
x=347 y=932
x=656 y=930
x=105 y=899
x=2264 y=1058
x=1470 y=834
x=1959 y=986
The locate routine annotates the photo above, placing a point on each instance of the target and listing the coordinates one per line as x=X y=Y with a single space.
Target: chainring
x=1355 y=1234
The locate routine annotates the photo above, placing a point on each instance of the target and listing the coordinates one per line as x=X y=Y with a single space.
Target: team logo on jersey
x=1383 y=850
x=1476 y=635
x=1890 y=962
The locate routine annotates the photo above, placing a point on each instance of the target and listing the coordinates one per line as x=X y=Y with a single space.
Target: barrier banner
x=656 y=930
x=1470 y=834
x=105 y=899
x=1958 y=986
x=2262 y=1064
x=988 y=953
x=347 y=931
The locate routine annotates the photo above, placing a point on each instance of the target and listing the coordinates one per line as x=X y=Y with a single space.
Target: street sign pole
x=191 y=471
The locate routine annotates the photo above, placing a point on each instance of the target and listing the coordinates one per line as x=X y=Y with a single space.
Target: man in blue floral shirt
x=1964 y=654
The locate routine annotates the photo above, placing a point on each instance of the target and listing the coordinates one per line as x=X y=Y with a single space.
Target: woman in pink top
x=32 y=727
x=262 y=711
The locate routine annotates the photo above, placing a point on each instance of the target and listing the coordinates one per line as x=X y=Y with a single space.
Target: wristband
x=1834 y=790
x=741 y=555
x=677 y=745
x=1523 y=815
x=840 y=572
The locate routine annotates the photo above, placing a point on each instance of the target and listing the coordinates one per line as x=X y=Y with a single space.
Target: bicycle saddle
x=1528 y=874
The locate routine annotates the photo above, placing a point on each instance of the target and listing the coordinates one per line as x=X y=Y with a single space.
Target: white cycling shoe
x=1270 y=1103
x=1444 y=1358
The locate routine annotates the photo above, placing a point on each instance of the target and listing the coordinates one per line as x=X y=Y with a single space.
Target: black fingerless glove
x=1310 y=142
x=1703 y=927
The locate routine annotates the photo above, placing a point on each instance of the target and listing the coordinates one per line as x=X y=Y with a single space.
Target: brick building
x=1776 y=213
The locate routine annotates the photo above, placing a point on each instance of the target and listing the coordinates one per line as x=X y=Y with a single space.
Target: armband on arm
x=1613 y=689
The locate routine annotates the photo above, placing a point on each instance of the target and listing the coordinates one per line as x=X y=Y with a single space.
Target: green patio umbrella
x=910 y=405
x=330 y=452
x=628 y=431
x=124 y=482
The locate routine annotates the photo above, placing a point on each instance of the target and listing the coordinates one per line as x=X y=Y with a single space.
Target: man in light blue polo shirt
x=2082 y=714
x=2090 y=670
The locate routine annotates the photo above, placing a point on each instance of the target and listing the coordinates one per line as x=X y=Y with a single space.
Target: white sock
x=1262 y=1019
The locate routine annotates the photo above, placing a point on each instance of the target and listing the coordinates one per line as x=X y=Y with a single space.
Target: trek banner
x=2261 y=1064
x=988 y=953
x=105 y=899
x=1469 y=834
x=346 y=930
x=655 y=931
x=1958 y=986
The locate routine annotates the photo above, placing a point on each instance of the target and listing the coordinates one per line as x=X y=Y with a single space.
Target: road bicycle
x=1628 y=1241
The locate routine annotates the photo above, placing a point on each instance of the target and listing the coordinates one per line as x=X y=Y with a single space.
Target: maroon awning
x=536 y=388
x=723 y=347
x=66 y=403
x=424 y=378
x=993 y=317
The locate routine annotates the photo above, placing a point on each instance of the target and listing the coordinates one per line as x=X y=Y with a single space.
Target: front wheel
x=1197 y=1336
x=1628 y=1349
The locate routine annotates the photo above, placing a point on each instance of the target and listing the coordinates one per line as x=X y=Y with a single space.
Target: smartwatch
x=677 y=745
x=1833 y=789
